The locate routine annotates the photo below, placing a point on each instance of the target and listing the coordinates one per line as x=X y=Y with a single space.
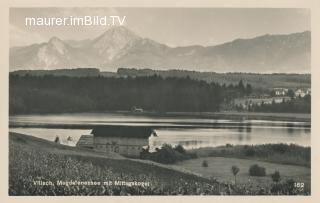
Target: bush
x=256 y=170
x=204 y=163
x=167 y=154
x=179 y=148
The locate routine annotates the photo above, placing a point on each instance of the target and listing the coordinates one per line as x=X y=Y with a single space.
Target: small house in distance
x=136 y=110
x=125 y=140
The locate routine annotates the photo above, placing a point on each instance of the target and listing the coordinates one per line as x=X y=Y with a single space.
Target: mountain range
x=118 y=47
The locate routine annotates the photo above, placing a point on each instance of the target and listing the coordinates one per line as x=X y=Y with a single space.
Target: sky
x=171 y=26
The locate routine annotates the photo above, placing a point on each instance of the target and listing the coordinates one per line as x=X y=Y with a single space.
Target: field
x=32 y=159
x=220 y=168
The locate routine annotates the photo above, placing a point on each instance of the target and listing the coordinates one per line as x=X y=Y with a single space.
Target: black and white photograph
x=165 y=101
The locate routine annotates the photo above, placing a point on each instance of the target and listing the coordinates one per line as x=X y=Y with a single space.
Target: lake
x=189 y=132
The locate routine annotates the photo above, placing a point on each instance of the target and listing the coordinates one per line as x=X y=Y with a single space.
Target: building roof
x=123 y=131
x=85 y=141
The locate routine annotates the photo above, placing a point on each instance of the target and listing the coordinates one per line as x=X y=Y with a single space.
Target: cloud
x=21 y=37
x=76 y=11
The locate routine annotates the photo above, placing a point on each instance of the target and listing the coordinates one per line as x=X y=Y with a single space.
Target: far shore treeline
x=62 y=94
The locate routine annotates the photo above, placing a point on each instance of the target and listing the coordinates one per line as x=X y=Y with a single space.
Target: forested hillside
x=258 y=81
x=261 y=81
x=53 y=94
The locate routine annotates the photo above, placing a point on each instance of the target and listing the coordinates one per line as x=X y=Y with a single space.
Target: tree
x=275 y=176
x=241 y=88
x=291 y=93
x=57 y=140
x=248 y=89
x=235 y=170
x=204 y=163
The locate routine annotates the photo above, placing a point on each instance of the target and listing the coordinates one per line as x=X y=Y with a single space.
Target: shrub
x=256 y=170
x=204 y=163
x=179 y=148
x=191 y=155
x=285 y=188
x=167 y=154
x=290 y=185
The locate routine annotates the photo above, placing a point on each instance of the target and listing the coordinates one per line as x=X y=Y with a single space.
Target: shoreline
x=231 y=115
x=154 y=125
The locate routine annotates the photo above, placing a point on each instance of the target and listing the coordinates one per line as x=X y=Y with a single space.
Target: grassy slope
x=48 y=146
x=83 y=153
x=31 y=142
x=33 y=159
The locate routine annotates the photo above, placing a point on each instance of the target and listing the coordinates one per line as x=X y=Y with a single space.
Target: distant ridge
x=264 y=81
x=119 y=47
x=78 y=72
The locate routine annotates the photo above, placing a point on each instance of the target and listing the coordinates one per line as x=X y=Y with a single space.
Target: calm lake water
x=189 y=132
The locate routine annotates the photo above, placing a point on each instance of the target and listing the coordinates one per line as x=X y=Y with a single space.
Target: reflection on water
x=117 y=119
x=219 y=132
x=197 y=138
x=191 y=138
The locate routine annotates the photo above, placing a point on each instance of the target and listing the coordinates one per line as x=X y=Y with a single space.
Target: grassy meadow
x=274 y=153
x=220 y=168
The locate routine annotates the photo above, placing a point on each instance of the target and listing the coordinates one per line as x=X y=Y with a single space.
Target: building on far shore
x=280 y=91
x=245 y=103
x=302 y=92
x=125 y=140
